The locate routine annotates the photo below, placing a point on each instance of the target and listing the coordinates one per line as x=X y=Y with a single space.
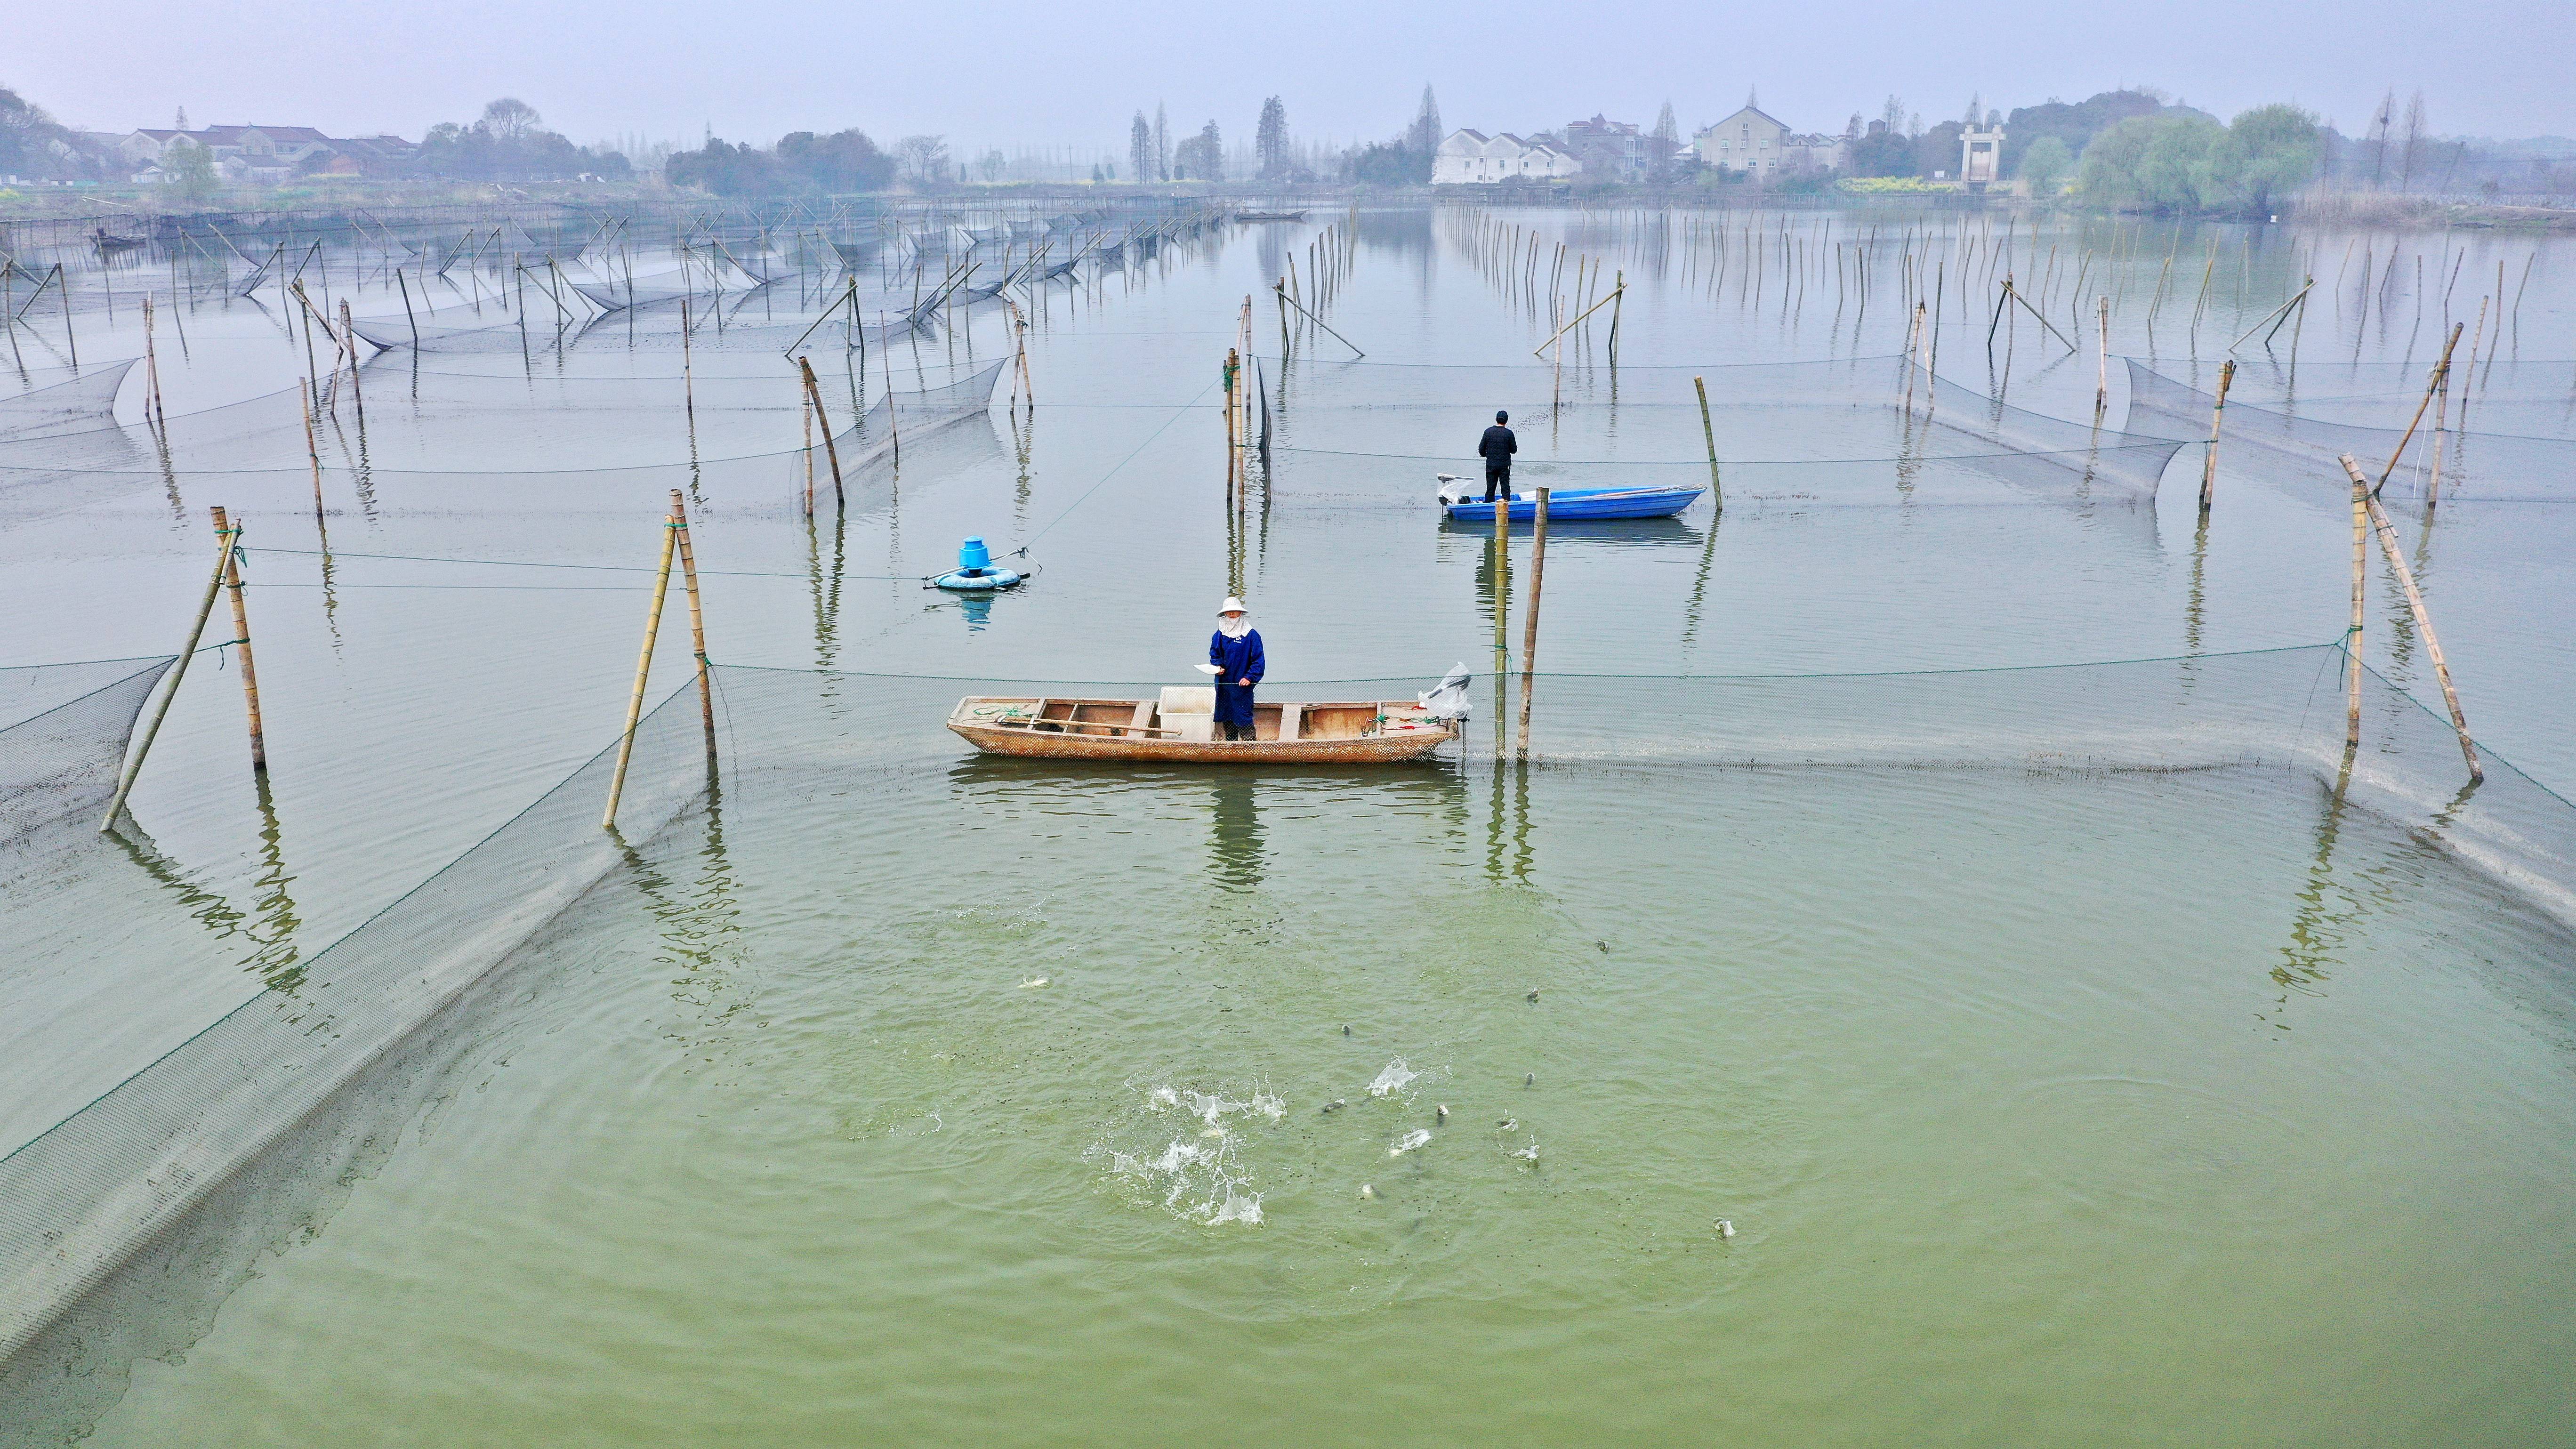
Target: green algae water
x=892 y=1094
x=940 y=1099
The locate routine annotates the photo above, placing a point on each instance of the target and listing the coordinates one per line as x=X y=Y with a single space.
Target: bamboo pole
x=2102 y=361
x=697 y=622
x=831 y=449
x=63 y=289
x=408 y=315
x=241 y=637
x=805 y=415
x=1708 y=434
x=1529 y=629
x=643 y=671
x=152 y=372
x=1337 y=337
x=2352 y=639
x=1578 y=321
x=357 y=390
x=178 y=671
x=2387 y=533
x=313 y=454
x=2217 y=413
x=2439 y=382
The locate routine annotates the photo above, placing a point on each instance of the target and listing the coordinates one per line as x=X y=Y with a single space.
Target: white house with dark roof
x=1756 y=145
x=1472 y=158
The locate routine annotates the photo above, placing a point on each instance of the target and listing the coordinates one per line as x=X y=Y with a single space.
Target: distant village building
x=1753 y=144
x=1472 y=158
x=1981 y=156
x=265 y=153
x=1612 y=150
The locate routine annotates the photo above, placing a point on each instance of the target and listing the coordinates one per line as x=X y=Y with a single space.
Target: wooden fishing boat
x=1574 y=505
x=1179 y=728
x=1254 y=217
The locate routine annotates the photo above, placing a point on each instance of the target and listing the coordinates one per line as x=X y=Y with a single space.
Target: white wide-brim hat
x=1232 y=605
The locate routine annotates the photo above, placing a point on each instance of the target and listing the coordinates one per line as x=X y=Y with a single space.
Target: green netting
x=63 y=730
x=2477 y=464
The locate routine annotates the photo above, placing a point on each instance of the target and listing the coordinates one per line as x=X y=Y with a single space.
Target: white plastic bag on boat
x=1449 y=699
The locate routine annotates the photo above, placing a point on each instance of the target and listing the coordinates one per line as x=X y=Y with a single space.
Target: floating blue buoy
x=975 y=572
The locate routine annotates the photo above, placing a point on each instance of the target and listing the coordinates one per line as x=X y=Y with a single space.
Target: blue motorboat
x=1574 y=505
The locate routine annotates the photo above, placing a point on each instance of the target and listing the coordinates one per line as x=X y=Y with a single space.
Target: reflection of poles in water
x=2191 y=614
x=1236 y=818
x=1502 y=611
x=698 y=922
x=1522 y=856
x=2313 y=939
x=1529 y=634
x=206 y=907
x=276 y=959
x=1699 y=586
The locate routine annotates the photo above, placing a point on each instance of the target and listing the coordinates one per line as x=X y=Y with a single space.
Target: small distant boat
x=107 y=242
x=1254 y=216
x=1573 y=505
x=1178 y=728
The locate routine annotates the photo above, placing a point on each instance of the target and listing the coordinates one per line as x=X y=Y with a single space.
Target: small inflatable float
x=975 y=572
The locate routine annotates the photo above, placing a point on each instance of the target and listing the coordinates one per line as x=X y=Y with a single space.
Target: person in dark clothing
x=1497 y=449
x=1235 y=650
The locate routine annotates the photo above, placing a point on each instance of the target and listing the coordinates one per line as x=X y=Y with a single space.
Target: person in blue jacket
x=1235 y=650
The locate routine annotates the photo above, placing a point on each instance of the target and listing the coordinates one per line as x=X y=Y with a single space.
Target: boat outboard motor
x=1448 y=700
x=1454 y=490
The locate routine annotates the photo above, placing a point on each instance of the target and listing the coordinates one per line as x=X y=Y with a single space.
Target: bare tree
x=2380 y=122
x=924 y=158
x=1140 y=149
x=2415 y=138
x=510 y=119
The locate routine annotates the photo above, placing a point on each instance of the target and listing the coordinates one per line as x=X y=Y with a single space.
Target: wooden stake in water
x=2352 y=640
x=178 y=671
x=2102 y=364
x=241 y=638
x=643 y=672
x=1529 y=629
x=2217 y=412
x=1708 y=433
x=2387 y=533
x=313 y=453
x=697 y=622
x=831 y=449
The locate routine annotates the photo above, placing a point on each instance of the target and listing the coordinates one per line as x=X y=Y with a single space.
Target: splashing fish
x=1409 y=1141
x=1394 y=1077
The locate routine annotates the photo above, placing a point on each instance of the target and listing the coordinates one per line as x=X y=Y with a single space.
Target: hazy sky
x=1073 y=71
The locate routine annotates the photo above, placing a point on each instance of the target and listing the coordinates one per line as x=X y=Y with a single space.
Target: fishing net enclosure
x=1858 y=430
x=918 y=414
x=63 y=733
x=2476 y=463
x=129 y=1168
x=121 y=1224
x=63 y=400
